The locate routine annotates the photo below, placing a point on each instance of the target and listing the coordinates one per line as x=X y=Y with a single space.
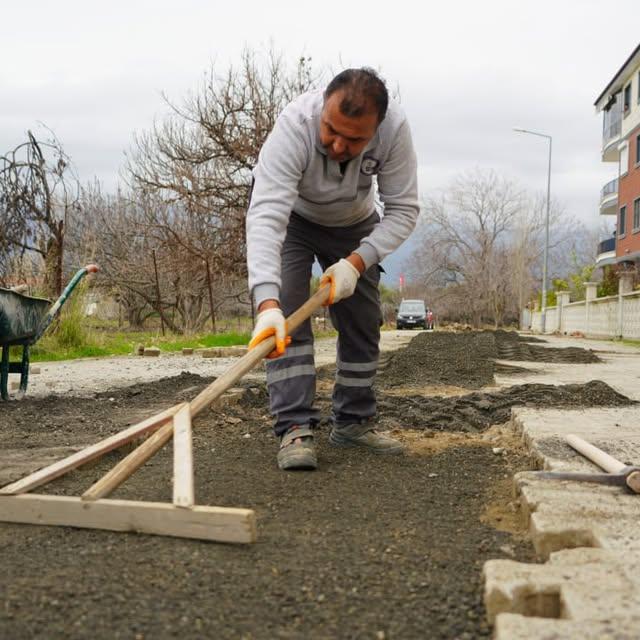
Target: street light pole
x=545 y=259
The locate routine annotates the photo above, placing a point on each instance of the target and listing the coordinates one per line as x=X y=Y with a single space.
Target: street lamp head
x=533 y=133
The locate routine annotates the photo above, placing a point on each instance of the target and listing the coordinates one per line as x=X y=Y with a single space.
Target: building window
x=622 y=221
x=636 y=214
x=624 y=158
x=626 y=102
x=637 y=150
x=638 y=87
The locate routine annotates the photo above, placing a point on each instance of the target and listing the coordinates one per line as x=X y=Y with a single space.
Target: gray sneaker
x=364 y=435
x=297 y=450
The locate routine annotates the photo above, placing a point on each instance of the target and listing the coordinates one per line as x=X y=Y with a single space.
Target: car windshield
x=412 y=307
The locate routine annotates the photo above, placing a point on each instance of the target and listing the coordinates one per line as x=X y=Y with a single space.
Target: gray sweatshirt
x=294 y=173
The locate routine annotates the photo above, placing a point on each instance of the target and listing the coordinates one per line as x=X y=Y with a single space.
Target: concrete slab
x=564 y=514
x=517 y=627
x=593 y=585
x=590 y=585
x=614 y=430
x=557 y=591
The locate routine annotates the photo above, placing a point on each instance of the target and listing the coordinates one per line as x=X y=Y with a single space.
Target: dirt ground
x=364 y=547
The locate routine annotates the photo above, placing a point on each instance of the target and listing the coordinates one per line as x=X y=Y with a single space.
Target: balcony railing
x=607 y=245
x=609 y=189
x=612 y=130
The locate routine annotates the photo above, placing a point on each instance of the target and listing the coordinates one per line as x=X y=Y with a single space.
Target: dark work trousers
x=291 y=378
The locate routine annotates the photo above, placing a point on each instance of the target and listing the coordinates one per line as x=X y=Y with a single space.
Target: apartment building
x=619 y=103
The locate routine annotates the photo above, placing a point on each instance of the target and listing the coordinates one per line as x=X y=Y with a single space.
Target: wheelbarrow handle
x=57 y=305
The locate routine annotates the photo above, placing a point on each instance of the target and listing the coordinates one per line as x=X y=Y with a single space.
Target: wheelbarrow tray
x=20 y=317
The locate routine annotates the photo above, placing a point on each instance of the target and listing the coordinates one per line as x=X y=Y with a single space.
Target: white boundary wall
x=611 y=317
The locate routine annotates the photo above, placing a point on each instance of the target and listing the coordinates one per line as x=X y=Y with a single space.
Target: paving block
x=223 y=352
x=614 y=430
x=187 y=351
x=590 y=585
x=564 y=514
x=34 y=370
x=518 y=627
x=152 y=352
x=558 y=590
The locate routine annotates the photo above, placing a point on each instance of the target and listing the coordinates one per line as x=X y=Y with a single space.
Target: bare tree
x=480 y=258
x=195 y=167
x=145 y=265
x=202 y=156
x=38 y=192
x=464 y=240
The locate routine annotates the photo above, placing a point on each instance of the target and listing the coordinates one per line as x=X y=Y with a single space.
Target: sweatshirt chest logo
x=369 y=166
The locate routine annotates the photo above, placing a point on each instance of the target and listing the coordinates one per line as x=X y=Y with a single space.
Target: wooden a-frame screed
x=182 y=518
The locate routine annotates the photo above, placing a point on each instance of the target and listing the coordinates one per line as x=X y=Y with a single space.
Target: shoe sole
x=344 y=443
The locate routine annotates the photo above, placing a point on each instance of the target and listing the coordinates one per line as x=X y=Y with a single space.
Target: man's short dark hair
x=364 y=90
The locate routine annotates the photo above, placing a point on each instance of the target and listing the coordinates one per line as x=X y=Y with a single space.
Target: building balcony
x=611 y=137
x=609 y=198
x=606 y=252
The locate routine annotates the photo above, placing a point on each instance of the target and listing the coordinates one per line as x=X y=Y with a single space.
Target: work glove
x=343 y=277
x=271 y=322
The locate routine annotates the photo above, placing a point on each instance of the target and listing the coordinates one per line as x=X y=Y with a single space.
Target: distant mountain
x=393 y=265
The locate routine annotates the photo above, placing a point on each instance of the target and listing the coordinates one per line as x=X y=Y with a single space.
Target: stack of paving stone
x=587 y=534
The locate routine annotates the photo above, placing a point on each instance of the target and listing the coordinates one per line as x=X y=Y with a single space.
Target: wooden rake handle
x=604 y=460
x=257 y=354
x=597 y=456
x=127 y=466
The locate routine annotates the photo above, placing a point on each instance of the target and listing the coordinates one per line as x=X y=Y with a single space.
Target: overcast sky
x=468 y=72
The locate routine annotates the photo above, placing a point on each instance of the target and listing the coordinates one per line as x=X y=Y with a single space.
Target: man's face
x=343 y=137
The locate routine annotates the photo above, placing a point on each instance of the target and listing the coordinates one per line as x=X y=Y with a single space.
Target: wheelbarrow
x=23 y=320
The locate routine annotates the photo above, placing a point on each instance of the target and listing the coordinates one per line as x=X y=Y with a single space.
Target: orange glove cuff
x=332 y=291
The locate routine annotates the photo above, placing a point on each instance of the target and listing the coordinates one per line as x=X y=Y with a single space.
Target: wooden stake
x=59 y=468
x=218 y=524
x=183 y=492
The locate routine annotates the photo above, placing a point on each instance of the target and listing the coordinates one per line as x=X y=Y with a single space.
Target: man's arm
x=277 y=175
x=398 y=189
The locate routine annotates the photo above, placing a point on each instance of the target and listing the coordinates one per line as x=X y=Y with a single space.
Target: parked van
x=410 y=314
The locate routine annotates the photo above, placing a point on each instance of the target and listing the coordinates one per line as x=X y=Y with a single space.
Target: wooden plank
x=127 y=466
x=183 y=491
x=218 y=524
x=55 y=470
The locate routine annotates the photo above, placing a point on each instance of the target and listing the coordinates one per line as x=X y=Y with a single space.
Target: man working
x=313 y=196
